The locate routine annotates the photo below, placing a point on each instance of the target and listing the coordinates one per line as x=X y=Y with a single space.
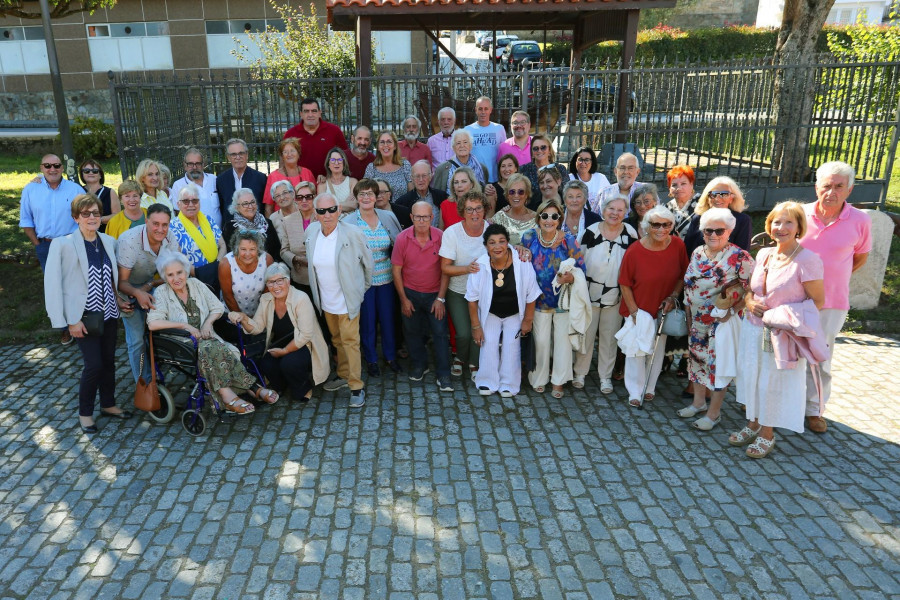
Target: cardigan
x=353 y=262
x=66 y=277
x=169 y=308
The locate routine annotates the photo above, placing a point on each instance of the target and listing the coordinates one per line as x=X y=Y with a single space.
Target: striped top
x=379 y=242
x=100 y=296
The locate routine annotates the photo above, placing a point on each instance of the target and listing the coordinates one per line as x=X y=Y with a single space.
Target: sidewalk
x=429 y=496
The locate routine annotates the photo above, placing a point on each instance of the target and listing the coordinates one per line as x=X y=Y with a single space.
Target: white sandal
x=761 y=447
x=743 y=437
x=691 y=411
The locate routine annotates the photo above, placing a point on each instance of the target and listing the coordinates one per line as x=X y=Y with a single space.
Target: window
x=221 y=36
x=130 y=46
x=23 y=51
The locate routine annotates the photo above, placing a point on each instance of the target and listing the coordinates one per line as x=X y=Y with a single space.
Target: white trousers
x=605 y=322
x=636 y=370
x=832 y=321
x=500 y=367
x=551 y=336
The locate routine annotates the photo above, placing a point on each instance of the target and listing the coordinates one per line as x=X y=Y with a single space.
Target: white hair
x=660 y=212
x=278 y=184
x=458 y=133
x=167 y=257
x=610 y=199
x=837 y=167
x=240 y=193
x=322 y=196
x=718 y=215
x=447 y=109
x=191 y=189
x=414 y=118
x=274 y=269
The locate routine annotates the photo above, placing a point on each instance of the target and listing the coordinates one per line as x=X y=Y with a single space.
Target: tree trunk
x=795 y=86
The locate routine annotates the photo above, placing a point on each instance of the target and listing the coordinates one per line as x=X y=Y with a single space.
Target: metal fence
x=717 y=117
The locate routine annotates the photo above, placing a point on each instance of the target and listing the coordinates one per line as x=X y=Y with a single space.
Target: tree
x=795 y=83
x=25 y=9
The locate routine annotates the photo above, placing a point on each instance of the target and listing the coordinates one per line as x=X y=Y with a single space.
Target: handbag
x=93 y=322
x=732 y=293
x=526 y=350
x=146 y=394
x=675 y=322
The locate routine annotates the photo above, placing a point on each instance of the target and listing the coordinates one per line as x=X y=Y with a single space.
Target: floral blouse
x=546 y=262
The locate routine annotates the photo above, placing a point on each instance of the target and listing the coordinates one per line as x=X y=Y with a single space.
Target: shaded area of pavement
x=443 y=496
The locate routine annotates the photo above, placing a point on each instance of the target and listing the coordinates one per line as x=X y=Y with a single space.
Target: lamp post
x=62 y=115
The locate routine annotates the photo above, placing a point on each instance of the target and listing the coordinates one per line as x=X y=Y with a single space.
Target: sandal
x=761 y=447
x=618 y=375
x=266 y=395
x=237 y=403
x=743 y=437
x=704 y=423
x=557 y=392
x=635 y=402
x=539 y=389
x=456 y=369
x=649 y=396
x=689 y=411
x=473 y=370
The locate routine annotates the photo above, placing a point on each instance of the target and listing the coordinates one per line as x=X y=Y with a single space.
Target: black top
x=531 y=172
x=402 y=206
x=501 y=196
x=740 y=236
x=106 y=199
x=504 y=302
x=282 y=331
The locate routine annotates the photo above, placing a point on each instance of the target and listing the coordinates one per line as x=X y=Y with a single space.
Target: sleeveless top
x=247 y=287
x=341 y=192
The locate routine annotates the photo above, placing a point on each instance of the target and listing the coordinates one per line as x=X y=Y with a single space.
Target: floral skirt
x=222 y=367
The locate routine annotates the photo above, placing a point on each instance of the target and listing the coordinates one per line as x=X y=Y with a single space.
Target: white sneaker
x=606 y=386
x=506 y=394
x=578 y=382
x=357 y=398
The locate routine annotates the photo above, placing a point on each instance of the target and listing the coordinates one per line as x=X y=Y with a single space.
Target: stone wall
x=39 y=107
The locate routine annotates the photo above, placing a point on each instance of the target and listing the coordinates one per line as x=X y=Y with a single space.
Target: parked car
x=479 y=37
x=502 y=40
x=516 y=52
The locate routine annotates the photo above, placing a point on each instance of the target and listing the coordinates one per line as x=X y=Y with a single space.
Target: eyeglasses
x=421 y=217
x=329 y=210
x=383 y=192
x=422 y=176
x=237 y=154
x=367 y=194
x=647 y=202
x=543 y=148
x=306 y=197
x=627 y=169
x=720 y=194
x=249 y=204
x=583 y=159
x=49 y=166
x=519 y=123
x=471 y=210
x=87 y=171
x=385 y=142
x=337 y=159
x=657 y=225
x=717 y=232
x=276 y=282
x=189 y=201
x=193 y=164
x=86 y=214
x=551 y=216
x=281 y=195
x=515 y=192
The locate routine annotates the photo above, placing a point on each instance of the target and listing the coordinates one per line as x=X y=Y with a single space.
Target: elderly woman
x=338 y=181
x=461 y=247
x=381 y=229
x=185 y=303
x=721 y=192
x=148 y=174
x=547 y=247
x=199 y=239
x=285 y=197
x=644 y=198
x=390 y=165
x=80 y=280
x=604 y=244
x=241 y=273
x=786 y=275
x=92 y=180
x=516 y=218
x=651 y=279
x=495 y=193
x=577 y=219
x=292 y=233
x=462 y=182
x=296 y=356
x=289 y=169
x=714 y=266
x=501 y=296
x=462 y=157
x=131 y=215
x=680 y=180
x=583 y=168
x=245 y=215
x=542 y=155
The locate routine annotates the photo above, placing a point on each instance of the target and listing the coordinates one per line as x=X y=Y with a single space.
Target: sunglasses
x=87 y=171
x=515 y=192
x=720 y=194
x=329 y=210
x=717 y=232
x=305 y=196
x=49 y=166
x=540 y=148
x=86 y=214
x=660 y=225
x=551 y=216
x=189 y=201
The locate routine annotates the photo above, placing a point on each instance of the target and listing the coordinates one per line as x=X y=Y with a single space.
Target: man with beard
x=440 y=143
x=410 y=148
x=193 y=173
x=360 y=157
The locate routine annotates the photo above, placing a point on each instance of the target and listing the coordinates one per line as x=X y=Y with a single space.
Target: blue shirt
x=47 y=210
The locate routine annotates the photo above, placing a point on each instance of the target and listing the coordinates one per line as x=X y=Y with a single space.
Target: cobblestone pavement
x=423 y=495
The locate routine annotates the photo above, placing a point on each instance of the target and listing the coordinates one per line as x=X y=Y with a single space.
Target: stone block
x=865 y=284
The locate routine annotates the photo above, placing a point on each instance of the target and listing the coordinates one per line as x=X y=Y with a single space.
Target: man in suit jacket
x=238 y=176
x=421 y=174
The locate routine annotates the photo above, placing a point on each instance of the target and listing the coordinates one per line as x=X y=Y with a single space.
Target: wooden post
x=364 y=68
x=575 y=64
x=623 y=96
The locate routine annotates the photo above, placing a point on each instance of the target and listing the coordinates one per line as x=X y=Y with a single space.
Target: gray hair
x=422 y=203
x=575 y=184
x=837 y=167
x=480 y=98
x=414 y=118
x=718 y=215
x=192 y=150
x=251 y=235
x=237 y=141
x=628 y=155
x=278 y=268
x=423 y=163
x=642 y=189
x=659 y=211
x=238 y=194
x=189 y=189
x=167 y=257
x=322 y=196
x=447 y=109
x=355 y=131
x=610 y=199
x=278 y=184
x=458 y=133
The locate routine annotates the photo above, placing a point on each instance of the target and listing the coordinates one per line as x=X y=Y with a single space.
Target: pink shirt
x=523 y=155
x=836 y=244
x=783 y=285
x=421 y=265
x=441 y=148
x=414 y=155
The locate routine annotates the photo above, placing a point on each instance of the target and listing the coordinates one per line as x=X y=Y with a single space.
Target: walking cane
x=659 y=327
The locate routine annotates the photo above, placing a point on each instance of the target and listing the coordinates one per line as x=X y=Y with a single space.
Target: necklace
x=781 y=261
x=547 y=244
x=95 y=244
x=500 y=273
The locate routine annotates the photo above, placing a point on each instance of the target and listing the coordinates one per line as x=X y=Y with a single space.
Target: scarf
x=258 y=223
x=472 y=164
x=202 y=238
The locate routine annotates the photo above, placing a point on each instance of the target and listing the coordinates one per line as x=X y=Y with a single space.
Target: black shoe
x=122 y=415
x=89 y=429
x=374 y=371
x=395 y=366
x=65 y=337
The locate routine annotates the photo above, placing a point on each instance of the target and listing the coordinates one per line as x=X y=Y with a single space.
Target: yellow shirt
x=120 y=223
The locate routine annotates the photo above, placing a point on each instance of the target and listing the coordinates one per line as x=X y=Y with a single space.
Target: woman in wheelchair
x=183 y=302
x=296 y=355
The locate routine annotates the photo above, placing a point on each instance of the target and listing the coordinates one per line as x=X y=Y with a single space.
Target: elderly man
x=519 y=145
x=410 y=147
x=422 y=289
x=317 y=137
x=193 y=173
x=486 y=136
x=238 y=176
x=136 y=252
x=441 y=144
x=421 y=192
x=627 y=171
x=359 y=157
x=45 y=212
x=841 y=235
x=340 y=273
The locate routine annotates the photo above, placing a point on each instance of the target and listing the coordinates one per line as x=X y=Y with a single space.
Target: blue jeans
x=134 y=339
x=378 y=309
x=42 y=250
x=418 y=326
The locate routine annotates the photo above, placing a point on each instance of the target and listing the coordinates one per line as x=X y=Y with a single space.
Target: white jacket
x=480 y=285
x=637 y=338
x=576 y=299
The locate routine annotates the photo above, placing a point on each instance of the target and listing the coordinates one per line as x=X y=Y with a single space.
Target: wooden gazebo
x=590 y=21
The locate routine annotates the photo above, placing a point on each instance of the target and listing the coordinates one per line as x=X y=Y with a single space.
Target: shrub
x=92 y=138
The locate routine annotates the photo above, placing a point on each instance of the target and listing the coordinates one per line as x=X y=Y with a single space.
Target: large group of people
x=512 y=267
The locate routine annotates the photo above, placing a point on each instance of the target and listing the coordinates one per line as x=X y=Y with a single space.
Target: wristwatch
x=442 y=300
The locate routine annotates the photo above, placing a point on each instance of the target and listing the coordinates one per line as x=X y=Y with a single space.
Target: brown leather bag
x=146 y=394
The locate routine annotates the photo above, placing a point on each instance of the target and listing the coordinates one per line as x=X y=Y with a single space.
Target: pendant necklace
x=499 y=273
x=95 y=244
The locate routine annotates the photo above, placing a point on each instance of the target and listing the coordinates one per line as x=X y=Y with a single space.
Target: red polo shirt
x=358 y=165
x=314 y=147
x=414 y=155
x=421 y=265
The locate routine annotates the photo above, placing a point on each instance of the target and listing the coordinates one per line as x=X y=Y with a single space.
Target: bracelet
x=442 y=300
x=475 y=327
